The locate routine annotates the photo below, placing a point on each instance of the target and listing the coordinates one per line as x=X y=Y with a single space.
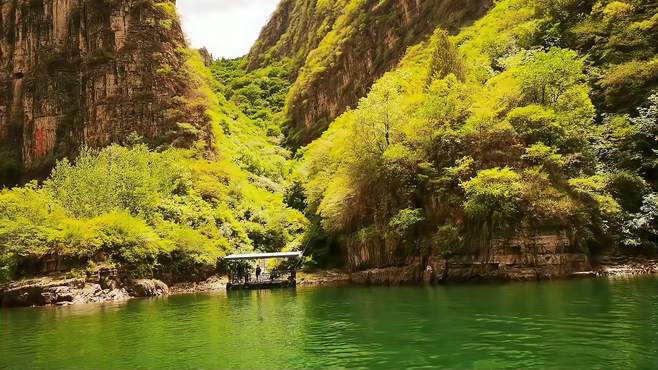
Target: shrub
x=493 y=194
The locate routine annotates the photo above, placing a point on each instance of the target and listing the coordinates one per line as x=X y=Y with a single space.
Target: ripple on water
x=575 y=324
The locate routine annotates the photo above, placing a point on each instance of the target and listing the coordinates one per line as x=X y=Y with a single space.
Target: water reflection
x=572 y=324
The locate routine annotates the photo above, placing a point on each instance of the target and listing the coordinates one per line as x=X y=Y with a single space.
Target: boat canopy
x=262 y=256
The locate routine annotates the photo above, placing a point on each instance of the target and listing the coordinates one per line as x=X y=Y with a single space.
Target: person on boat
x=258 y=270
x=246 y=275
x=239 y=274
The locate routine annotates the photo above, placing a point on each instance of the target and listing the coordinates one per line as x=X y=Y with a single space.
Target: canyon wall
x=529 y=255
x=293 y=31
x=345 y=47
x=79 y=73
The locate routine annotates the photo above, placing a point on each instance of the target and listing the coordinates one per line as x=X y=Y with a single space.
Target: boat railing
x=263 y=278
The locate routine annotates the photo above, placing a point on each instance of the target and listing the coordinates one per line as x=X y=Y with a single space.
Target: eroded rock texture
x=529 y=255
x=89 y=72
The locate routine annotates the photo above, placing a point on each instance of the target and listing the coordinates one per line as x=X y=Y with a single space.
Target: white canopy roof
x=262 y=256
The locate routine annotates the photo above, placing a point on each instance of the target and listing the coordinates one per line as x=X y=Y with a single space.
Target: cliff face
x=294 y=30
x=527 y=255
x=89 y=72
x=346 y=47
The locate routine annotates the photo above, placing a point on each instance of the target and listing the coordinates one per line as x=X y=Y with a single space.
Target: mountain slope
x=189 y=183
x=465 y=140
x=343 y=47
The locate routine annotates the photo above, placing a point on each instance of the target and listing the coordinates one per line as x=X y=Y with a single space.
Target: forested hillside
x=164 y=208
x=532 y=131
x=461 y=135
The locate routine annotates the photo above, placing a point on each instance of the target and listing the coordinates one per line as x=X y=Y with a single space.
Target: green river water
x=586 y=324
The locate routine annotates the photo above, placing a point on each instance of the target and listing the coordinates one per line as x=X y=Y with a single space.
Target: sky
x=227 y=28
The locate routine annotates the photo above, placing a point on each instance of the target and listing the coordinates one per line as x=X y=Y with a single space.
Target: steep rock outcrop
x=512 y=267
x=346 y=47
x=527 y=256
x=294 y=30
x=88 y=73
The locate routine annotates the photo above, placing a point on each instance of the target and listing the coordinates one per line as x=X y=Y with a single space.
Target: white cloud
x=228 y=28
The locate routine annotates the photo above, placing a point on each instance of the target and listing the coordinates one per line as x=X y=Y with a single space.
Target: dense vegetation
x=541 y=118
x=260 y=94
x=538 y=119
x=169 y=213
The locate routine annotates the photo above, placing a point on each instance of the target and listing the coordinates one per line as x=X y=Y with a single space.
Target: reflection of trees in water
x=581 y=323
x=515 y=325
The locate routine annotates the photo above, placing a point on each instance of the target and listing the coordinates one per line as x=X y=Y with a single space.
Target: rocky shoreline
x=323 y=277
x=105 y=287
x=507 y=270
x=61 y=291
x=214 y=283
x=625 y=267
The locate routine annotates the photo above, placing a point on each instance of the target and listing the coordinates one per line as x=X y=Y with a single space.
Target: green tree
x=493 y=195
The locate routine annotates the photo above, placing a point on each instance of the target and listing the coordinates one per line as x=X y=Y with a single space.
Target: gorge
x=399 y=140
x=472 y=184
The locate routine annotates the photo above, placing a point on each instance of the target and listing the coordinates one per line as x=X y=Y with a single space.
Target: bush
x=493 y=195
x=137 y=209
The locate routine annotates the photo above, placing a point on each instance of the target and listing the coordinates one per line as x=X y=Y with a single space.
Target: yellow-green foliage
x=496 y=134
x=486 y=133
x=260 y=94
x=628 y=78
x=309 y=21
x=493 y=193
x=254 y=167
x=150 y=212
x=237 y=138
x=113 y=202
x=620 y=38
x=168 y=8
x=323 y=4
x=510 y=25
x=595 y=187
x=495 y=129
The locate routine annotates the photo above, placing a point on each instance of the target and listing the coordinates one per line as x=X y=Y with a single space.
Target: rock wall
x=88 y=72
x=346 y=47
x=529 y=256
x=474 y=268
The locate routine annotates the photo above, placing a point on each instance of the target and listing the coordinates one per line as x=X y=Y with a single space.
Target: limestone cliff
x=346 y=46
x=89 y=73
